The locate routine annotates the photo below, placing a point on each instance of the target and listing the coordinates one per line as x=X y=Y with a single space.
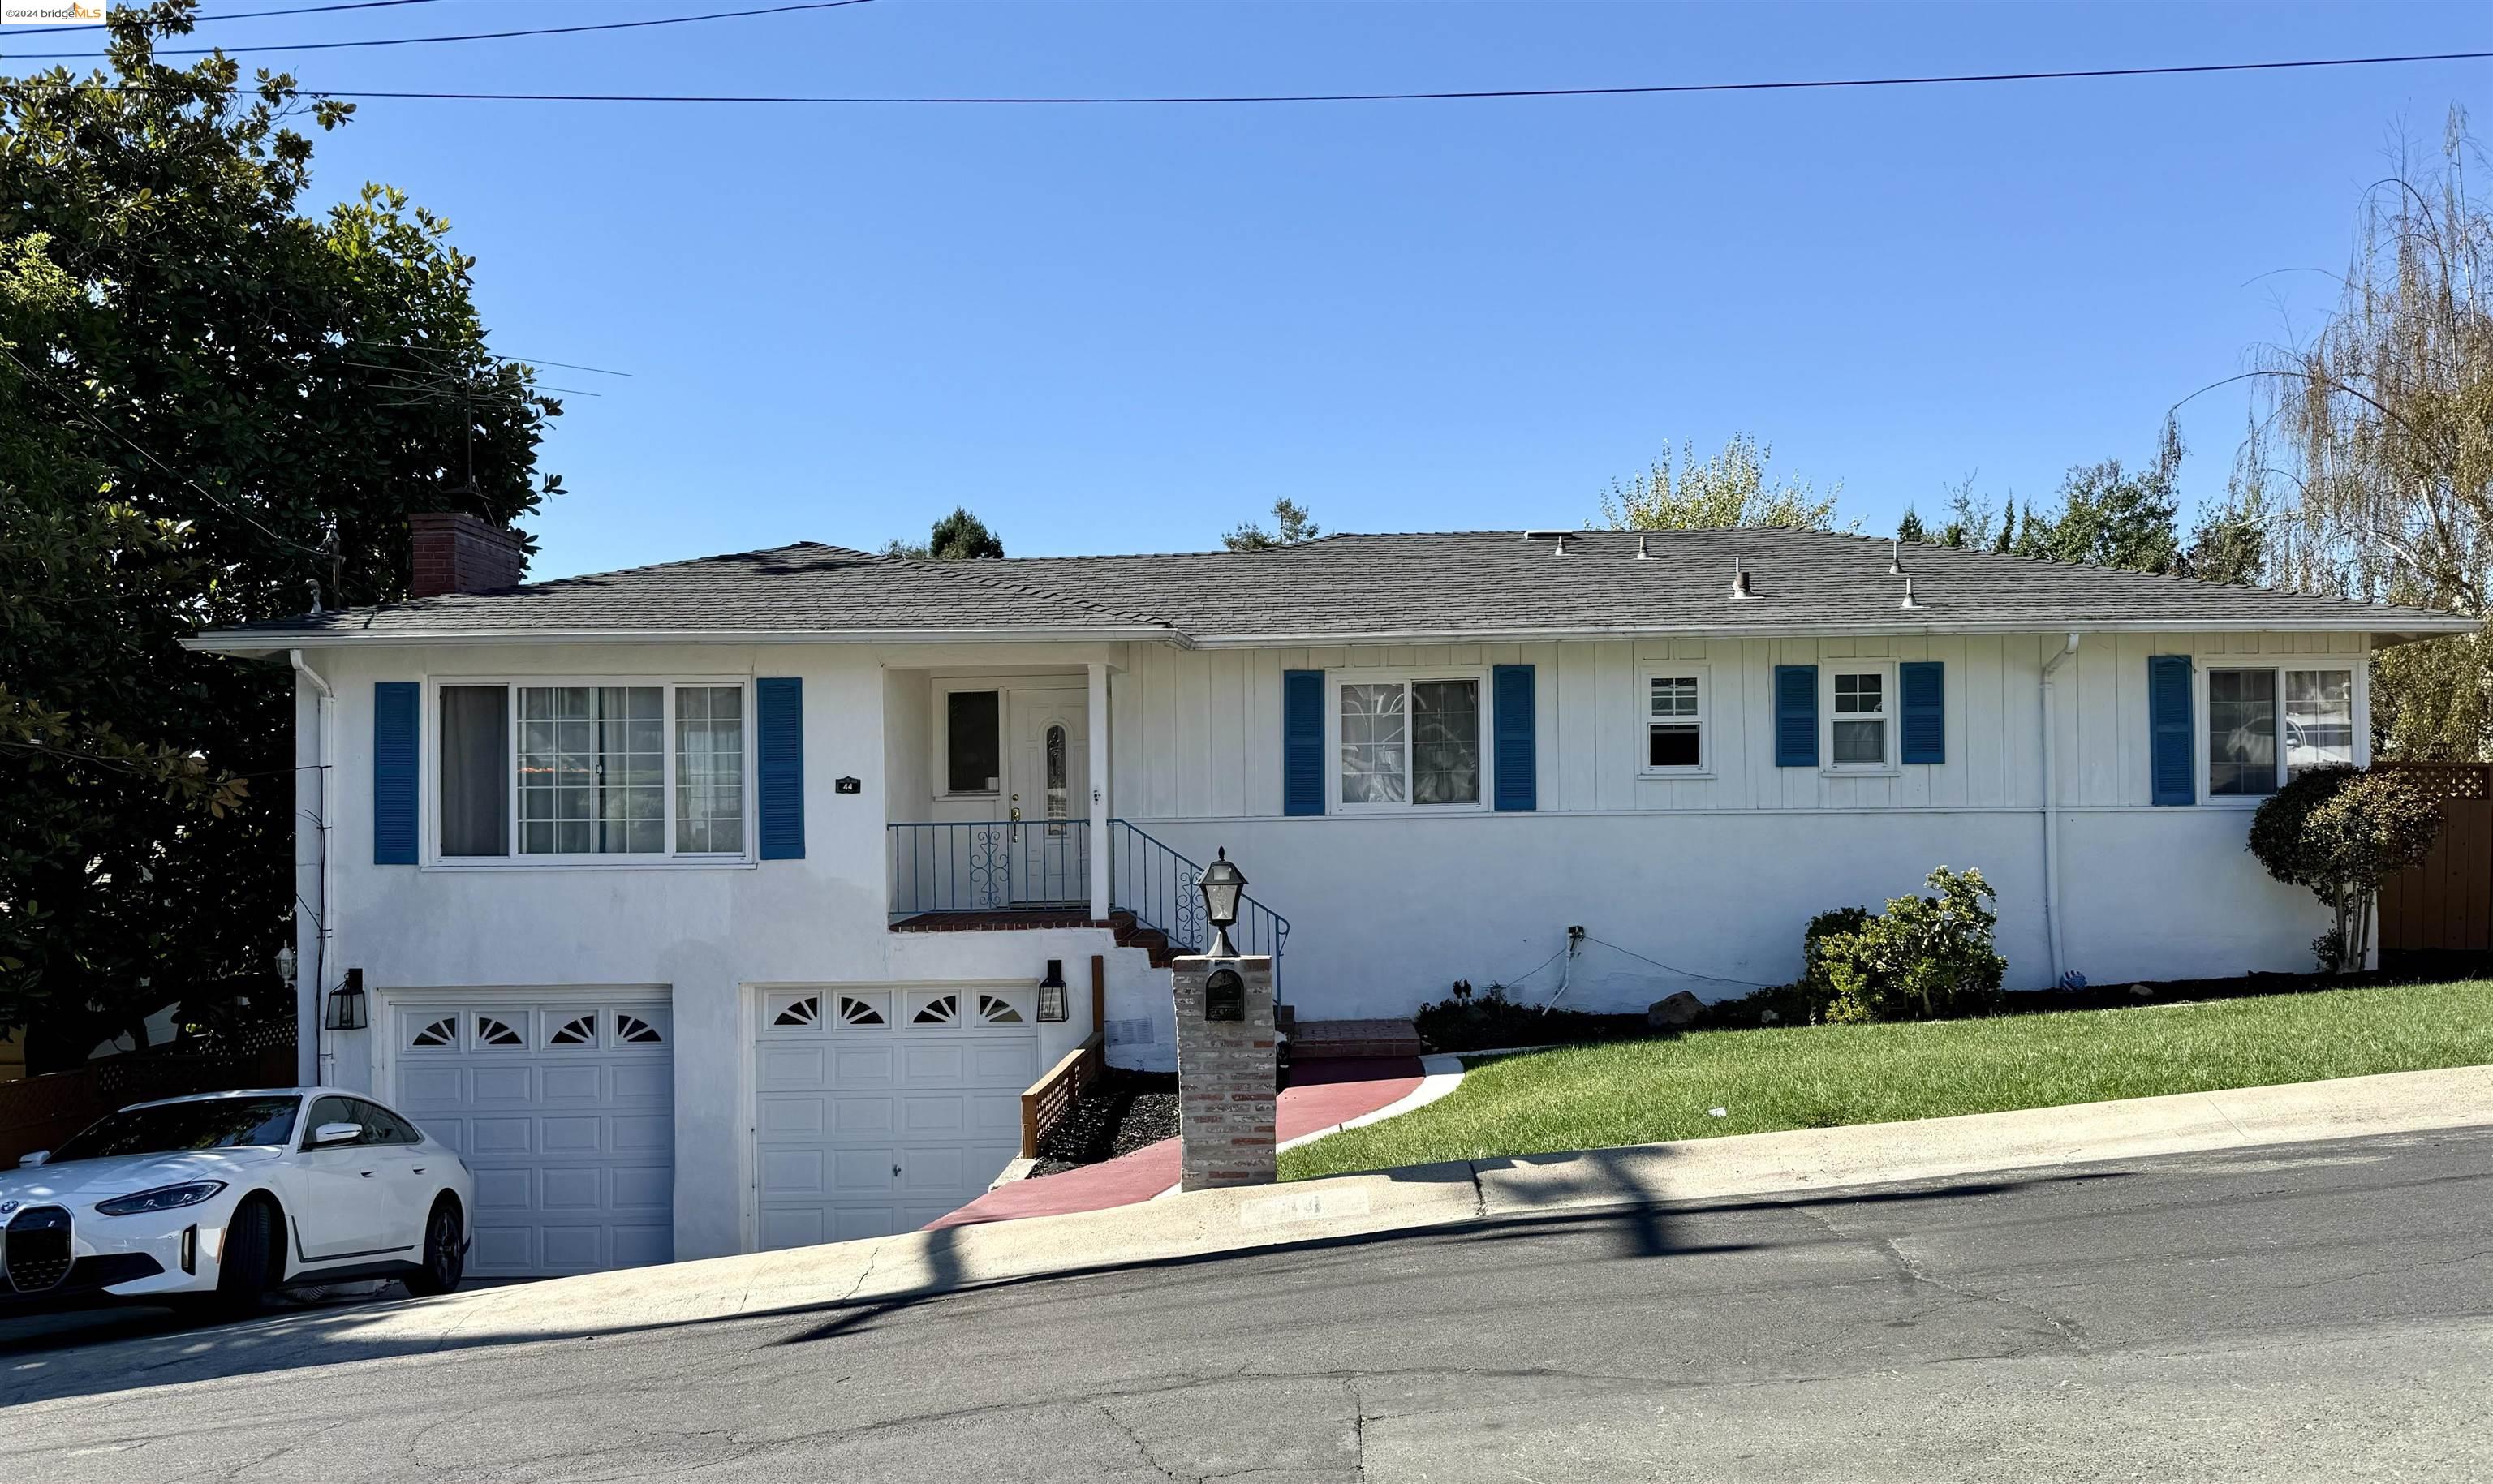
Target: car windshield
x=167 y=1128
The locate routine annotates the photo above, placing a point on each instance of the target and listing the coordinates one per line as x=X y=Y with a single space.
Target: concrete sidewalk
x=908 y=1268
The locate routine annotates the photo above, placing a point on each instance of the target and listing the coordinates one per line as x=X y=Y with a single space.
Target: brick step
x=1131 y=934
x=1343 y=1040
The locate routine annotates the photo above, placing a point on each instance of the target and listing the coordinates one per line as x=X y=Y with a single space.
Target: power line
x=472 y=35
x=202 y=20
x=1449 y=96
x=221 y=503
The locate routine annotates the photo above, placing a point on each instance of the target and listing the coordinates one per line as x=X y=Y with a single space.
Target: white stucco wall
x=1716 y=876
x=713 y=936
x=1386 y=912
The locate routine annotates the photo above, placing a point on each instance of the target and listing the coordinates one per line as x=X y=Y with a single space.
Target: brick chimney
x=459 y=553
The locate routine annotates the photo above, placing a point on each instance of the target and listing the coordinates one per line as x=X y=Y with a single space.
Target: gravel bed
x=1120 y=1114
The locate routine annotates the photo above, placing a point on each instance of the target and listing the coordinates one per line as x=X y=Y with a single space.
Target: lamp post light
x=1223 y=883
x=348 y=1010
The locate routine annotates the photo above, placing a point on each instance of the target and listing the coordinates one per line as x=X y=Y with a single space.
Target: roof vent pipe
x=1642 y=555
x=1896 y=557
x=1740 y=581
x=1908 y=602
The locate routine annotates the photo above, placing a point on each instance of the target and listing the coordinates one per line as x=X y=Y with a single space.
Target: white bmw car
x=220 y=1199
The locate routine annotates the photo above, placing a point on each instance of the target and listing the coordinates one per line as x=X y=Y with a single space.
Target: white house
x=638 y=868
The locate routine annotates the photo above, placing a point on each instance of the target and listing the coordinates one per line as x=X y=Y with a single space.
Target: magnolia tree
x=2342 y=831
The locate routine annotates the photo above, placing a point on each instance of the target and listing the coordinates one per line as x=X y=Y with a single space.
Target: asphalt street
x=2297 y=1312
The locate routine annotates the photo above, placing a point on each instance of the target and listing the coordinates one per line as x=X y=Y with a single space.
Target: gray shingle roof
x=801 y=589
x=1418 y=585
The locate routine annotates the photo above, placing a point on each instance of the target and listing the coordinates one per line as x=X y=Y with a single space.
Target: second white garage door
x=881 y=1108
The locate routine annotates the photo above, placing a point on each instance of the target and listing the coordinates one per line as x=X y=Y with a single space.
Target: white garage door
x=882 y=1109
x=564 y=1112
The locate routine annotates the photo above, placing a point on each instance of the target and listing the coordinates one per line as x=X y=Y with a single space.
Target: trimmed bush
x=1924 y=958
x=2341 y=831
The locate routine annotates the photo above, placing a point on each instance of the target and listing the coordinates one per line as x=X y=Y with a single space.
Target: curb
x=1444 y=1199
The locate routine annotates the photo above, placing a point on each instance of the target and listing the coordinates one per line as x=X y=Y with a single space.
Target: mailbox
x=1224 y=996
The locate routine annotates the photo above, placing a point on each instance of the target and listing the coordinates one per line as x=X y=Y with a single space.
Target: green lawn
x=1820 y=1076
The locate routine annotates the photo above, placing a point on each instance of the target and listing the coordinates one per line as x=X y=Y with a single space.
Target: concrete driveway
x=2305 y=1311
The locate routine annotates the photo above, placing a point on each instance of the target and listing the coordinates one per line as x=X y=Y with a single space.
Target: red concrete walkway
x=1320 y=1095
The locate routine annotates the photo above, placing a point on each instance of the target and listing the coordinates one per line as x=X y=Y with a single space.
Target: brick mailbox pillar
x=1225 y=1072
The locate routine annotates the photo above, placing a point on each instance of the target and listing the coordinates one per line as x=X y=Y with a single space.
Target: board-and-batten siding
x=1198 y=731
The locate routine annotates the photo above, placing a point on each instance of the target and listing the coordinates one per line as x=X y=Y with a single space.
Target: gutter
x=312 y=1058
x=2051 y=815
x=2383 y=623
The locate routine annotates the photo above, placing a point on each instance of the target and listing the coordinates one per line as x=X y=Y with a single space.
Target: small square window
x=1857 y=730
x=1674 y=725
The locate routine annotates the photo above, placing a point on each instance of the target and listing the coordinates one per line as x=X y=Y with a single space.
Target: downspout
x=2051 y=815
x=312 y=1058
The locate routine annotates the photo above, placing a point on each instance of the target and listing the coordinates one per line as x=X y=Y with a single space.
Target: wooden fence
x=38 y=1113
x=2446 y=904
x=1054 y=1093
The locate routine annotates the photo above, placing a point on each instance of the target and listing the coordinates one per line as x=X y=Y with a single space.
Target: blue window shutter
x=1923 y=710
x=779 y=739
x=2172 y=768
x=398 y=706
x=1517 y=754
x=1795 y=715
x=1303 y=731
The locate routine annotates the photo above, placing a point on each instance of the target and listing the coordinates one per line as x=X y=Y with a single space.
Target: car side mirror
x=33 y=1157
x=336 y=1133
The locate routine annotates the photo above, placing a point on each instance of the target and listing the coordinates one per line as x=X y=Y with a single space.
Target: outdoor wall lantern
x=1051 y=992
x=346 y=1008
x=1222 y=882
x=1224 y=996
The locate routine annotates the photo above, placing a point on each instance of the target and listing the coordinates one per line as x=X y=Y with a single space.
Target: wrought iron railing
x=1162 y=889
x=989 y=866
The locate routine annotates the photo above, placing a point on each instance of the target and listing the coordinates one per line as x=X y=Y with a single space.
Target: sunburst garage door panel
x=884 y=1108
x=565 y=1114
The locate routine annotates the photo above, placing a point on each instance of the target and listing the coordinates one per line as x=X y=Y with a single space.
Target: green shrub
x=2342 y=831
x=1925 y=957
x=1815 y=989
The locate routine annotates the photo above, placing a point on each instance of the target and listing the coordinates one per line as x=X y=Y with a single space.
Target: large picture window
x=1413 y=743
x=584 y=771
x=2268 y=724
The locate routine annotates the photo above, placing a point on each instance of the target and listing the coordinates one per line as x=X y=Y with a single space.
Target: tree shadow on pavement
x=118 y=1353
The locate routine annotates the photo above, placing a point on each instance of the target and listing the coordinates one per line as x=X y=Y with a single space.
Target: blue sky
x=1125 y=329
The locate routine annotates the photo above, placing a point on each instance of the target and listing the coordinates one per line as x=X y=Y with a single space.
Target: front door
x=1050 y=803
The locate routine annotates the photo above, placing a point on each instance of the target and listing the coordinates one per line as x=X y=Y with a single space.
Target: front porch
x=1006 y=875
x=998 y=799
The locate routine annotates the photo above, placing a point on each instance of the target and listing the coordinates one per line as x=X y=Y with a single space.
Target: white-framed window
x=554 y=771
x=1672 y=709
x=2265 y=722
x=1860 y=705
x=1409 y=741
x=968 y=739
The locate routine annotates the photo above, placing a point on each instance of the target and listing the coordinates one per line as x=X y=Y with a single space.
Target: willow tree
x=2382 y=426
x=1729 y=489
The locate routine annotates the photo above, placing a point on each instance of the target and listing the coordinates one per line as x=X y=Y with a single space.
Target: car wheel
x=249 y=1263
x=445 y=1253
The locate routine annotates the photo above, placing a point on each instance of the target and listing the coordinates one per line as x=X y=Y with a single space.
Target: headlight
x=164 y=1197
